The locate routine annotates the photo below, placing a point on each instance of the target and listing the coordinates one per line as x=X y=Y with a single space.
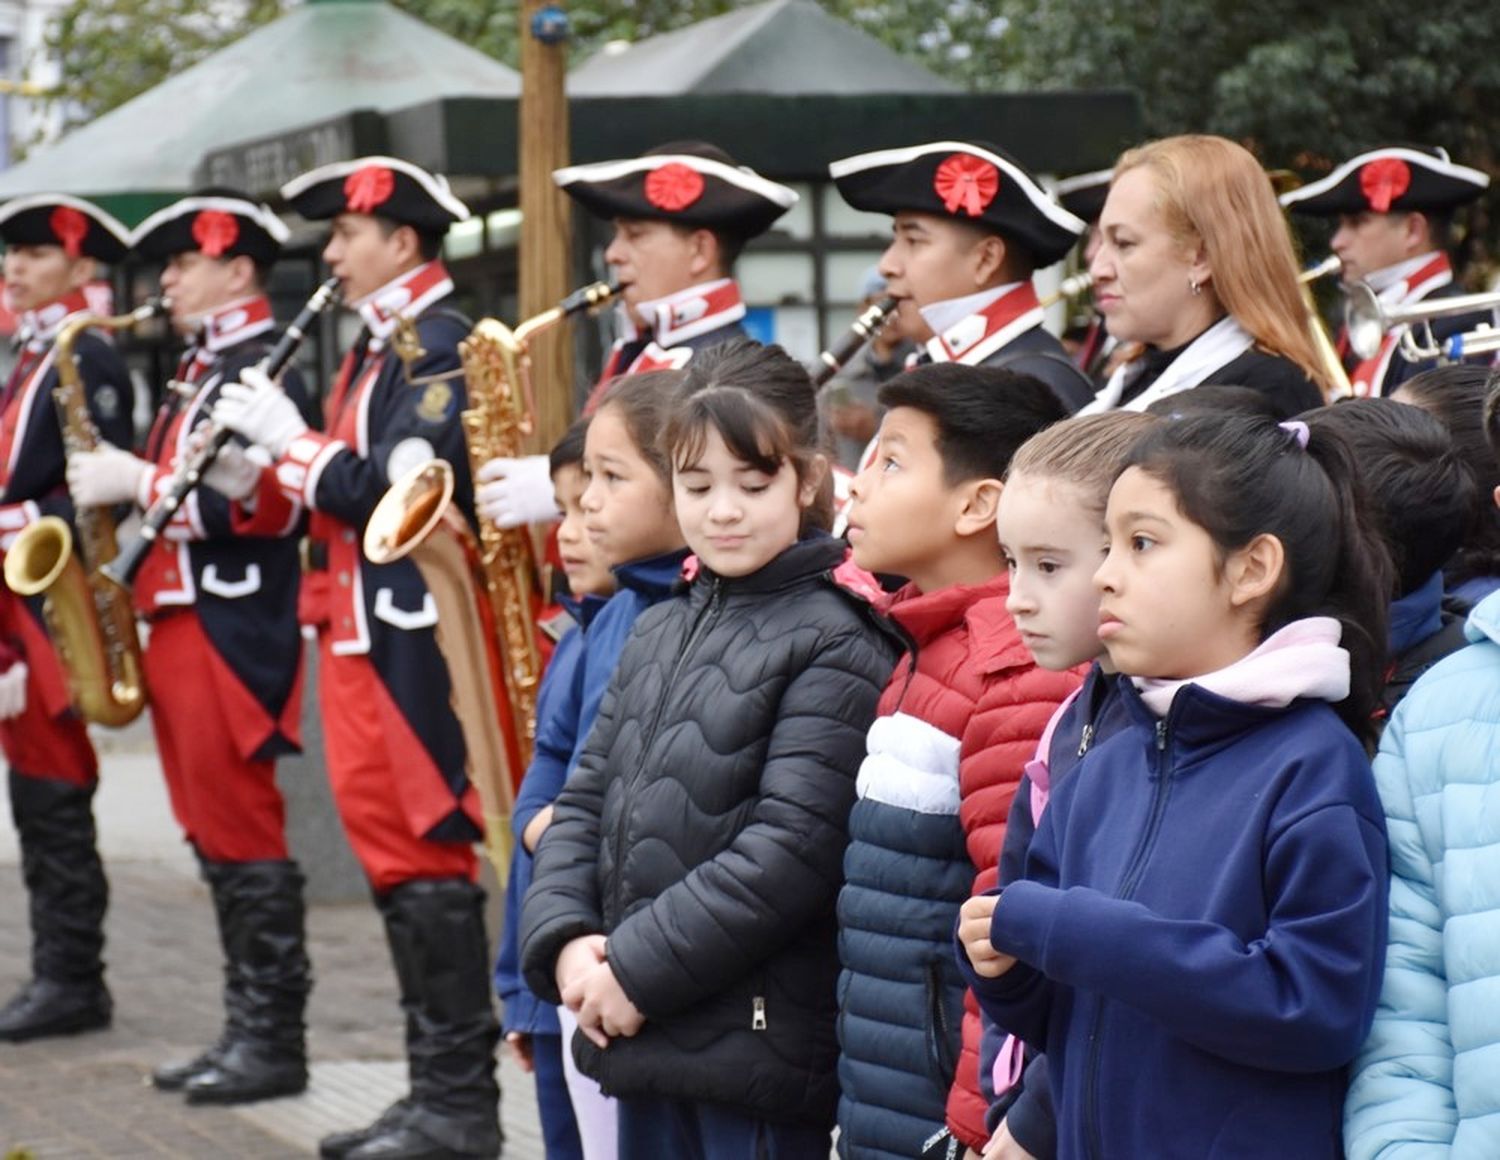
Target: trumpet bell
x=408 y=511
x=1364 y=321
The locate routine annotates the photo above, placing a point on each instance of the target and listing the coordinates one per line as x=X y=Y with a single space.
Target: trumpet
x=1328 y=354
x=1369 y=321
x=1068 y=288
x=1329 y=265
x=870 y=323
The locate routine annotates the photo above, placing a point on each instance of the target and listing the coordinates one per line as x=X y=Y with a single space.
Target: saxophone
x=485 y=587
x=91 y=621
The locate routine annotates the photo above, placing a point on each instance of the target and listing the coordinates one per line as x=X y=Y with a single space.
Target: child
x=531 y=1026
x=1198 y=937
x=1422 y=499
x=684 y=893
x=959 y=718
x=1051 y=526
x=1425 y=1081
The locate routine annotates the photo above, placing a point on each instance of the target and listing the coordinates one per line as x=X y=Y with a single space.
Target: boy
x=958 y=720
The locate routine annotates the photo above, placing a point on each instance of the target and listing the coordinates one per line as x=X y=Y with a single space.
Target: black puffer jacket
x=704 y=831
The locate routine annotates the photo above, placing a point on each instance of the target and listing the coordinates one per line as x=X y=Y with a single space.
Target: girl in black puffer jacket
x=683 y=899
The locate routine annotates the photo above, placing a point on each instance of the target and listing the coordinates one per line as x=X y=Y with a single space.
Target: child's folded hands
x=974 y=935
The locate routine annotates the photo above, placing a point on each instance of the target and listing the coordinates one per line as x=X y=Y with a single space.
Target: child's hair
x=1239 y=477
x=1455 y=396
x=1491 y=420
x=763 y=405
x=1217 y=399
x=568 y=451
x=645 y=403
x=1088 y=452
x=1421 y=495
x=982 y=414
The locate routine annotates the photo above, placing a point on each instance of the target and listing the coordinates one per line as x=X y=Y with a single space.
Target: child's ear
x=981 y=502
x=1254 y=572
x=812 y=480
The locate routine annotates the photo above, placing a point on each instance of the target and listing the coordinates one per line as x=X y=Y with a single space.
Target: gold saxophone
x=485 y=588
x=91 y=621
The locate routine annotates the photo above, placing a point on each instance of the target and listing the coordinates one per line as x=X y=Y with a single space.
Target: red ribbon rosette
x=71 y=226
x=674 y=186
x=368 y=188
x=1383 y=180
x=966 y=182
x=215 y=231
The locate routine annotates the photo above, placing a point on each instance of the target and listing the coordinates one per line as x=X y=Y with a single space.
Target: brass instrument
x=1328 y=354
x=1369 y=321
x=1069 y=289
x=485 y=589
x=871 y=321
x=91 y=622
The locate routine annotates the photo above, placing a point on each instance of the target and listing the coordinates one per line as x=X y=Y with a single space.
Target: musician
x=395 y=751
x=682 y=212
x=970 y=227
x=1395 y=210
x=54 y=244
x=1082 y=195
x=223 y=659
x=1195 y=265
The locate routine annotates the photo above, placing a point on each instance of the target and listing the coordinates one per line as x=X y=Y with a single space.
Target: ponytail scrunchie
x=1297 y=429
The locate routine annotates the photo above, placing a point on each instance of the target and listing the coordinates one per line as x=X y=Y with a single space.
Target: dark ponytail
x=1238 y=477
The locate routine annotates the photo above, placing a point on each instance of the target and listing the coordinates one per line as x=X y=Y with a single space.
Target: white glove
x=13 y=691
x=516 y=491
x=105 y=476
x=258 y=409
x=233 y=474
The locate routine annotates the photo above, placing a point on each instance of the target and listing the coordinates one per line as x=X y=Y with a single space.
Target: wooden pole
x=546 y=249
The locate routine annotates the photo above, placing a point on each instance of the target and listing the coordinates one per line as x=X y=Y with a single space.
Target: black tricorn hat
x=220 y=223
x=690 y=183
x=1395 y=179
x=80 y=227
x=384 y=186
x=975 y=183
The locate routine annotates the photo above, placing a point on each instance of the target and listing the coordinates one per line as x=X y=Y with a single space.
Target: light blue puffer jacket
x=1427 y=1082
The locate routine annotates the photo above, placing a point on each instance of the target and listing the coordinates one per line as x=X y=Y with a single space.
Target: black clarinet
x=864 y=328
x=127 y=562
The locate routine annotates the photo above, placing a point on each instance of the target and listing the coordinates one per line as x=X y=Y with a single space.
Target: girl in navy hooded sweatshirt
x=1198 y=938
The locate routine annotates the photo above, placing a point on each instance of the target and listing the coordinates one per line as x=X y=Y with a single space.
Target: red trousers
x=227 y=804
x=47 y=740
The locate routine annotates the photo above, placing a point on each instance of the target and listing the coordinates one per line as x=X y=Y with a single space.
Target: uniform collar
x=234 y=323
x=404 y=297
x=970 y=329
x=691 y=312
x=1412 y=279
x=41 y=325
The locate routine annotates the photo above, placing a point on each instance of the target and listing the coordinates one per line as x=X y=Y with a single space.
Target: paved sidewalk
x=89 y=1096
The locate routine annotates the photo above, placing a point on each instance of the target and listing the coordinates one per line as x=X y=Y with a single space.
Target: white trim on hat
x=434 y=183
x=1035 y=194
x=741 y=176
x=1081 y=181
x=259 y=213
x=1440 y=165
x=110 y=223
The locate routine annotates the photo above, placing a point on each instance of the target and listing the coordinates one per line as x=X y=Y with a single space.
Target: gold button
x=344 y=579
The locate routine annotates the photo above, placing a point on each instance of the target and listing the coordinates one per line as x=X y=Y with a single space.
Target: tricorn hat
x=220 y=223
x=1396 y=179
x=384 y=186
x=80 y=227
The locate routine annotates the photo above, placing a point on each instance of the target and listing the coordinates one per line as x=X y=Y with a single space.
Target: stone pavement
x=89 y=1096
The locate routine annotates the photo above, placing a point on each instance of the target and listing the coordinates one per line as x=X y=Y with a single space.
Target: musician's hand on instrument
x=974 y=919
x=13 y=691
x=575 y=961
x=258 y=409
x=105 y=476
x=233 y=474
x=512 y=492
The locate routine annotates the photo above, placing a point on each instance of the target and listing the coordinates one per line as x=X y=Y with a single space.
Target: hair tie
x=1297 y=429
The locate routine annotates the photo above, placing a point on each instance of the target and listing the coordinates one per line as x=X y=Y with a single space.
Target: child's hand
x=577 y=959
x=606 y=1008
x=974 y=933
x=1003 y=1146
x=521 y=1050
x=535 y=828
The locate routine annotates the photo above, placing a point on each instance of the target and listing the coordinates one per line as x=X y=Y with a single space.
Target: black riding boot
x=438 y=941
x=68 y=894
x=264 y=1052
x=170 y=1077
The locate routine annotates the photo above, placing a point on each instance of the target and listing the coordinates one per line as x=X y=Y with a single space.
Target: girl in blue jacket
x=1198 y=938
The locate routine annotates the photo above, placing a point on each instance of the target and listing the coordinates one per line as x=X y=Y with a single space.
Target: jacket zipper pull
x=758 y=1013
x=1087 y=739
x=1161 y=735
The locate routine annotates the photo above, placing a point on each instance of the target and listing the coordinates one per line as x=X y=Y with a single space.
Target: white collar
x=690 y=312
x=951 y=311
x=1216 y=347
x=1390 y=283
x=404 y=297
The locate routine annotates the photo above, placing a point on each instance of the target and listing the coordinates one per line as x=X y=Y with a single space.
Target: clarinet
x=864 y=328
x=127 y=562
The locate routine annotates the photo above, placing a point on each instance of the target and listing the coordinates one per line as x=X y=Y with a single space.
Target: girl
x=684 y=896
x=1198 y=937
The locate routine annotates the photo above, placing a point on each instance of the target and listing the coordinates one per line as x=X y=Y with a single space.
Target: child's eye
x=755 y=488
x=888 y=463
x=1140 y=543
x=695 y=488
x=1010 y=562
x=1048 y=567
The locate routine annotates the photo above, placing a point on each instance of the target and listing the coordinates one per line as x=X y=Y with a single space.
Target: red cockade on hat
x=967 y=182
x=1383 y=180
x=215 y=231
x=674 y=186
x=71 y=226
x=366 y=189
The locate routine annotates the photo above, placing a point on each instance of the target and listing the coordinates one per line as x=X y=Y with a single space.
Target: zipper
x=758 y=1013
x=1087 y=739
x=709 y=612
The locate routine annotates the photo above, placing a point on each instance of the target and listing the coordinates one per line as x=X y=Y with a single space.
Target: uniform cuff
x=301 y=466
x=275 y=512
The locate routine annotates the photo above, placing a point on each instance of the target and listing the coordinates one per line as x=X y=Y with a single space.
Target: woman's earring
x=1195 y=286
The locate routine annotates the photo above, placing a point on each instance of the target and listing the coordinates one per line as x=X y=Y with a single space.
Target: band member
x=1083 y=196
x=682 y=212
x=970 y=228
x=223 y=659
x=1395 y=212
x=395 y=750
x=53 y=245
x=1195 y=265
